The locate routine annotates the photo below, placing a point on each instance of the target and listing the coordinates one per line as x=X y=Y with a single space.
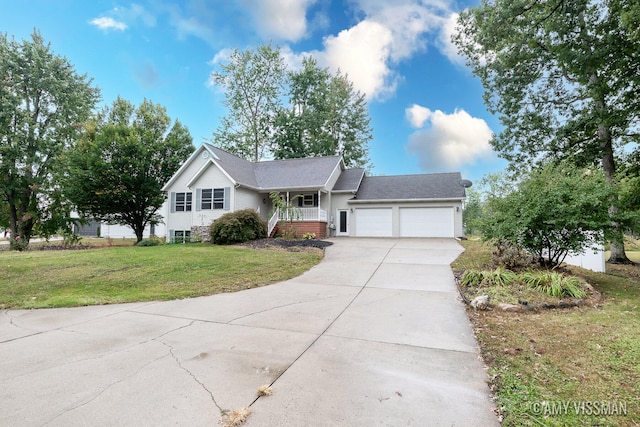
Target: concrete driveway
x=373 y=335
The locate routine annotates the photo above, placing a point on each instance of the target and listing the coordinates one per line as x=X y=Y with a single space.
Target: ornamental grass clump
x=553 y=283
x=497 y=277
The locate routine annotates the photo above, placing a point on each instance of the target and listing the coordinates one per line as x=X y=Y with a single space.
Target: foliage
x=562 y=76
x=497 y=277
x=42 y=102
x=549 y=282
x=237 y=227
x=287 y=213
x=553 y=283
x=511 y=256
x=309 y=236
x=116 y=171
x=69 y=238
x=472 y=213
x=326 y=117
x=556 y=211
x=252 y=81
x=629 y=185
x=149 y=242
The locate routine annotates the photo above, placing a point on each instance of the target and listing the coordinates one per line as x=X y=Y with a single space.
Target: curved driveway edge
x=373 y=335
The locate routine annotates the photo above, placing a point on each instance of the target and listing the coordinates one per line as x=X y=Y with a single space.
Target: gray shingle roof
x=349 y=180
x=407 y=187
x=311 y=172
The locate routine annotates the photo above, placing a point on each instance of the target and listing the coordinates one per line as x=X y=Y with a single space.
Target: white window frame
x=184 y=205
x=218 y=196
x=206 y=201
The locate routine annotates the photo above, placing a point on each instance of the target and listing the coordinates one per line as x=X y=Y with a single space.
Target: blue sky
x=426 y=108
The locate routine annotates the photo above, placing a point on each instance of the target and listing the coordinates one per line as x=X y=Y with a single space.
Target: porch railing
x=304 y=214
x=273 y=221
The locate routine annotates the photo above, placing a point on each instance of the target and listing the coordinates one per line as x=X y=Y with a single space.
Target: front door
x=343 y=225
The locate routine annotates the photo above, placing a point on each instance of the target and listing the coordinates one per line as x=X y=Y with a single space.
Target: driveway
x=373 y=335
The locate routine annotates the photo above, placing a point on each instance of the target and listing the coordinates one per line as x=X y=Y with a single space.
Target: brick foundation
x=316 y=227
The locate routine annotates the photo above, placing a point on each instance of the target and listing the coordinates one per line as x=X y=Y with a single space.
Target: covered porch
x=303 y=212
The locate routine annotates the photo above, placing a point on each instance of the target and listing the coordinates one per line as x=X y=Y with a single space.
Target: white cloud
x=390 y=32
x=362 y=52
x=135 y=12
x=444 y=43
x=451 y=140
x=105 y=23
x=417 y=115
x=280 y=19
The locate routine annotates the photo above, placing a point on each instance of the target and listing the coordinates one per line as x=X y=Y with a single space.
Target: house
x=331 y=199
x=95 y=228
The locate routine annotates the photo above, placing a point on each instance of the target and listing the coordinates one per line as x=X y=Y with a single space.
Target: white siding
x=212 y=177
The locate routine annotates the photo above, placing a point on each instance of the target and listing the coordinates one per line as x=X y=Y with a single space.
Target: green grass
x=587 y=354
x=38 y=279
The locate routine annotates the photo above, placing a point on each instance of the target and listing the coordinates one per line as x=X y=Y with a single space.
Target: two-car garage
x=405 y=221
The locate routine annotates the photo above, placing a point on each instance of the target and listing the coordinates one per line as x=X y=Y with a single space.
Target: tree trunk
x=618 y=254
x=139 y=233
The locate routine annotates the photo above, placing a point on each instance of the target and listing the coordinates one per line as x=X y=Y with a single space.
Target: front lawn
x=65 y=278
x=562 y=367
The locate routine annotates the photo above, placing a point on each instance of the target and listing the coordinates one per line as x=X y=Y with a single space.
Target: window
x=210 y=198
x=182 y=202
x=218 y=198
x=308 y=200
x=181 y=236
x=207 y=199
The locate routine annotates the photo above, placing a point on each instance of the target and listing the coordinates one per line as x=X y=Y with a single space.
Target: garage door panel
x=374 y=222
x=427 y=222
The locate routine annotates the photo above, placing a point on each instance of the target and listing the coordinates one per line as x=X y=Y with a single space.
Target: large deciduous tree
x=253 y=83
x=564 y=76
x=326 y=117
x=555 y=211
x=43 y=104
x=117 y=170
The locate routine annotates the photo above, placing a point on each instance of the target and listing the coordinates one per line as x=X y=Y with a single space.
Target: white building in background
x=591 y=260
x=117 y=231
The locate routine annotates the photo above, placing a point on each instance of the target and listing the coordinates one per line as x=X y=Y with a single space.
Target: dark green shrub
x=237 y=227
x=148 y=242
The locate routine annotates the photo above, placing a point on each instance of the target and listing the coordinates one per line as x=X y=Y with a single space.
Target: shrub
x=148 y=242
x=237 y=227
x=511 y=256
x=309 y=236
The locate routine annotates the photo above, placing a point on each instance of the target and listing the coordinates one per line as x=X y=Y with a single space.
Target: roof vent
x=466 y=183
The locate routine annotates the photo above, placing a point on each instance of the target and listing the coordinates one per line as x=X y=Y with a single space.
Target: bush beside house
x=237 y=227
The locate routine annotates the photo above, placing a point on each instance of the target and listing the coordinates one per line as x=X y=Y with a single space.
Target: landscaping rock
x=509 y=307
x=481 y=302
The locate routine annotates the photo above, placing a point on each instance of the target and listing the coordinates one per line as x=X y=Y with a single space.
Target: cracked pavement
x=373 y=335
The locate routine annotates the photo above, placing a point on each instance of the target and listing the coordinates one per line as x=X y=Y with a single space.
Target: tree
x=472 y=214
x=117 y=170
x=629 y=184
x=555 y=211
x=252 y=81
x=327 y=117
x=43 y=103
x=563 y=76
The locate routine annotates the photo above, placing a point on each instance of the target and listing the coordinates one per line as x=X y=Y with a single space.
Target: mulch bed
x=289 y=244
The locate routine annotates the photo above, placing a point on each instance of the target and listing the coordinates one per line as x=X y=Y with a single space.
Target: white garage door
x=374 y=222
x=426 y=222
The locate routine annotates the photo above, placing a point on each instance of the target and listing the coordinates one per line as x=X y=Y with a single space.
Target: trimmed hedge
x=237 y=227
